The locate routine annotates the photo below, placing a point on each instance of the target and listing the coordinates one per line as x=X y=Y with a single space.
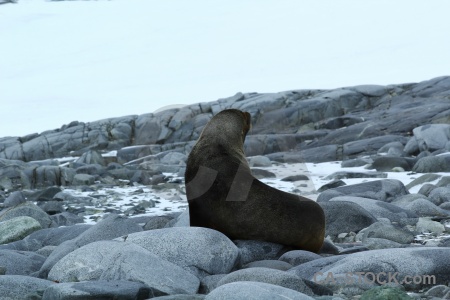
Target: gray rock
x=47 y=237
x=271 y=276
x=17 y=228
x=347 y=175
x=427 y=225
x=156 y=222
x=20 y=262
x=66 y=219
x=15 y=198
x=44 y=194
x=183 y=219
x=385 y=292
x=209 y=283
x=19 y=287
x=298 y=257
x=423 y=208
x=91 y=157
x=331 y=185
x=432 y=137
x=182 y=245
x=259 y=161
x=378 y=209
x=355 y=162
x=270 y=264
x=383 y=190
x=46 y=250
x=426 y=189
x=444 y=181
x=261 y=173
x=83 y=179
x=92 y=169
x=380 y=243
x=26 y=209
x=111 y=227
x=387 y=231
x=422 y=179
x=174 y=158
x=343 y=216
x=113 y=289
x=251 y=250
x=254 y=291
x=181 y=297
x=440 y=195
x=421 y=261
x=432 y=164
x=295 y=178
x=114 y=260
x=412 y=146
x=437 y=291
x=309 y=269
x=387 y=163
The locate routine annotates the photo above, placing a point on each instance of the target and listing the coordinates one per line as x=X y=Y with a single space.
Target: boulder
x=22 y=287
x=344 y=216
x=254 y=291
x=92 y=290
x=182 y=245
x=251 y=250
x=430 y=164
x=17 y=228
x=20 y=262
x=114 y=260
x=383 y=190
x=26 y=209
x=298 y=257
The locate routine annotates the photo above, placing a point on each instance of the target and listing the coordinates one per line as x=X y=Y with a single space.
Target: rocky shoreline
x=77 y=204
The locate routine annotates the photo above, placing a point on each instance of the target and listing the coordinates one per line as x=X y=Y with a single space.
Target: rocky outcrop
x=340 y=123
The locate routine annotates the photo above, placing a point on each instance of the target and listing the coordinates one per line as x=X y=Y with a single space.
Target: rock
x=181 y=297
x=387 y=231
x=66 y=219
x=431 y=164
x=309 y=269
x=182 y=245
x=423 y=208
x=46 y=251
x=379 y=209
x=156 y=222
x=114 y=260
x=251 y=250
x=22 y=287
x=379 y=243
x=17 y=228
x=20 y=262
x=15 y=198
x=439 y=195
x=355 y=162
x=47 y=237
x=261 y=173
x=428 y=263
x=385 y=292
x=294 y=178
x=111 y=227
x=91 y=157
x=426 y=189
x=26 y=209
x=298 y=257
x=422 y=179
x=444 y=181
x=328 y=247
x=183 y=219
x=270 y=264
x=270 y=276
x=383 y=190
x=343 y=216
x=83 y=179
x=347 y=175
x=254 y=291
x=259 y=161
x=432 y=137
x=438 y=291
x=427 y=225
x=92 y=169
x=44 y=195
x=113 y=289
x=209 y=283
x=331 y=185
x=387 y=163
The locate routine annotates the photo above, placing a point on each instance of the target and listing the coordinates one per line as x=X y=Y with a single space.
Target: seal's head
x=230 y=125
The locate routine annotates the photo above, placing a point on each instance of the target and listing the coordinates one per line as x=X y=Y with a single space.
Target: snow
x=89 y=60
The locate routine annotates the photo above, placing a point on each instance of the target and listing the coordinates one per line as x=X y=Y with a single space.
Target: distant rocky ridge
x=291 y=126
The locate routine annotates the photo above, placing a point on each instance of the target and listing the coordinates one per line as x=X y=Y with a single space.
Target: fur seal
x=223 y=194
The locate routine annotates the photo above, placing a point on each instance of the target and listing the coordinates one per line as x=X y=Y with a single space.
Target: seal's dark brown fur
x=223 y=194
